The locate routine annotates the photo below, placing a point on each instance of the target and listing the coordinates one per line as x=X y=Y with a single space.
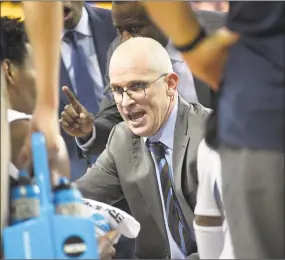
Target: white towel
x=118 y=220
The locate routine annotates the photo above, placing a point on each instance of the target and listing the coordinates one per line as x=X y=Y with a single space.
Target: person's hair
x=13 y=40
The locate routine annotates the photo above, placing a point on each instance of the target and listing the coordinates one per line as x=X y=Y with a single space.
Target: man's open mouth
x=136 y=117
x=66 y=11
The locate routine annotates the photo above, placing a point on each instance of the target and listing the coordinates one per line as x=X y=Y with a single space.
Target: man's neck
x=172 y=103
x=171 y=106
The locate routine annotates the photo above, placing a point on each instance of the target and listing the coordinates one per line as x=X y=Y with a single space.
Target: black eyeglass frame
x=109 y=90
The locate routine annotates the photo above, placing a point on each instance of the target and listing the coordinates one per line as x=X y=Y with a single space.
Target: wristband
x=189 y=46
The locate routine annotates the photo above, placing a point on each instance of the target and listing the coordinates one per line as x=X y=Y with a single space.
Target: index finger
x=69 y=94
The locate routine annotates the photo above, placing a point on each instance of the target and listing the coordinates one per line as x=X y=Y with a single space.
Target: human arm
x=91 y=132
x=101 y=182
x=107 y=118
x=44 y=23
x=19 y=130
x=207 y=58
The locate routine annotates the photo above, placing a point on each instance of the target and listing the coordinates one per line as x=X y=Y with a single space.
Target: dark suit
x=126 y=170
x=103 y=33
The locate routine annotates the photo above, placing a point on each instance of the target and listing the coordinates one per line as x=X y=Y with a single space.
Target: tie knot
x=157 y=149
x=71 y=37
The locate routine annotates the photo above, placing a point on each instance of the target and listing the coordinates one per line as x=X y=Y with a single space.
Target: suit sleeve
x=105 y=120
x=101 y=182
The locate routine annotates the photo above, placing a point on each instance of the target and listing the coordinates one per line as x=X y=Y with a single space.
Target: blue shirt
x=251 y=107
x=166 y=136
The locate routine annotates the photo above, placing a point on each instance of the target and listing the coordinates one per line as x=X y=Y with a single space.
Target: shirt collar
x=166 y=133
x=83 y=25
x=174 y=54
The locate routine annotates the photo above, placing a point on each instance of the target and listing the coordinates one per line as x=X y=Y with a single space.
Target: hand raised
x=75 y=119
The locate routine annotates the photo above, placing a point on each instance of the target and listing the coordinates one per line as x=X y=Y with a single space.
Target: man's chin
x=139 y=131
x=69 y=23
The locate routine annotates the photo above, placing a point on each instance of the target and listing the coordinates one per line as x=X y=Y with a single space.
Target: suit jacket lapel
x=144 y=169
x=181 y=140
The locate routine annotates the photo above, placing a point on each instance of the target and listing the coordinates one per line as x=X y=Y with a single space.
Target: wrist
x=186 y=46
x=87 y=136
x=51 y=109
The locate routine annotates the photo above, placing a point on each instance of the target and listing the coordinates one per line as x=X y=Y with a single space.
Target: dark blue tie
x=176 y=223
x=86 y=93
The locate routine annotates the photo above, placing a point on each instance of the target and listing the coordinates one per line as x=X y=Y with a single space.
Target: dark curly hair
x=13 y=40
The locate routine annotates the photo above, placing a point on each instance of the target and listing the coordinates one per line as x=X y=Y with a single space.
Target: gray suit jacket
x=126 y=169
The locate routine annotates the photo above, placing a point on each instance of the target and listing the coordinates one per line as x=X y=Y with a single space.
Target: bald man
x=137 y=162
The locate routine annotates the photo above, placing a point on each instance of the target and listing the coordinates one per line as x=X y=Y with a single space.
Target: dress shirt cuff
x=85 y=144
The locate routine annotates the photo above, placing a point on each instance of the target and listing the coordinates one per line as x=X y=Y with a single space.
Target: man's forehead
x=125 y=73
x=125 y=79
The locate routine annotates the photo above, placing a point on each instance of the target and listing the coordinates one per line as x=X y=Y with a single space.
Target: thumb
x=82 y=116
x=226 y=37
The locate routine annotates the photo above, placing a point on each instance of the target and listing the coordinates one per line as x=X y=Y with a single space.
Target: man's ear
x=172 y=83
x=9 y=71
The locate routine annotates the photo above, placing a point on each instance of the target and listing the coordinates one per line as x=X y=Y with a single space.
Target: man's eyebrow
x=129 y=83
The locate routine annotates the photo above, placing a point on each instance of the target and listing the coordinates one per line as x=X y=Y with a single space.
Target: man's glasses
x=136 y=91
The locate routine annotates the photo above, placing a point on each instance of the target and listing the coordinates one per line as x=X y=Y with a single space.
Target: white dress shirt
x=85 y=40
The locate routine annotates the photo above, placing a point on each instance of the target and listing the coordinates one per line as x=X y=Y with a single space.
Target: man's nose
x=126 y=35
x=126 y=100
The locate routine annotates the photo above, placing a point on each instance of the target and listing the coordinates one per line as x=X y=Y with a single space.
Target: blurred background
x=13 y=8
